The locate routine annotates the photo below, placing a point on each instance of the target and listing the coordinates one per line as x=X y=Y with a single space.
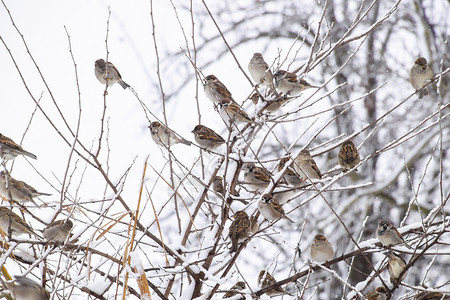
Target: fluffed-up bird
x=107 y=72
x=10 y=150
x=164 y=136
x=19 y=190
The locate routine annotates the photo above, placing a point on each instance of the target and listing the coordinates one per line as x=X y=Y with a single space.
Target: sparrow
x=306 y=167
x=218 y=187
x=58 y=231
x=321 y=249
x=419 y=75
x=239 y=286
x=380 y=293
x=164 y=136
x=289 y=84
x=239 y=229
x=283 y=195
x=102 y=67
x=230 y=111
x=388 y=234
x=20 y=191
x=254 y=226
x=10 y=150
x=290 y=176
x=432 y=296
x=26 y=289
x=18 y=225
x=207 y=138
x=216 y=90
x=256 y=177
x=265 y=279
x=271 y=209
x=348 y=156
x=260 y=71
x=254 y=98
x=396 y=264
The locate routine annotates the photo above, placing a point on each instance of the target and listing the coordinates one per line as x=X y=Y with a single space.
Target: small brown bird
x=164 y=136
x=419 y=75
x=10 y=150
x=239 y=229
x=18 y=225
x=207 y=138
x=231 y=112
x=218 y=187
x=260 y=71
x=20 y=191
x=271 y=209
x=388 y=234
x=380 y=293
x=58 y=231
x=289 y=84
x=235 y=289
x=257 y=178
x=26 y=289
x=290 y=176
x=215 y=90
x=348 y=156
x=265 y=280
x=396 y=265
x=113 y=76
x=321 y=249
x=306 y=167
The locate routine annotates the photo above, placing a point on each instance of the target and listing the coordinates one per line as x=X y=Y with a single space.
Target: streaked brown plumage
x=265 y=279
x=380 y=293
x=102 y=67
x=239 y=229
x=239 y=286
x=207 y=138
x=230 y=111
x=10 y=150
x=348 y=156
x=290 y=176
x=396 y=264
x=215 y=90
x=306 y=167
x=19 y=190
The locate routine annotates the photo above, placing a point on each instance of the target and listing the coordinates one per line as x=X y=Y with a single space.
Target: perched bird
x=289 y=84
x=388 y=234
x=321 y=249
x=10 y=150
x=271 y=209
x=290 y=176
x=254 y=226
x=207 y=138
x=235 y=289
x=26 y=289
x=432 y=296
x=265 y=280
x=58 y=231
x=231 y=112
x=239 y=229
x=216 y=90
x=419 y=75
x=260 y=71
x=164 y=137
x=396 y=264
x=283 y=195
x=254 y=98
x=113 y=76
x=218 y=187
x=18 y=225
x=256 y=177
x=380 y=293
x=306 y=167
x=20 y=191
x=348 y=156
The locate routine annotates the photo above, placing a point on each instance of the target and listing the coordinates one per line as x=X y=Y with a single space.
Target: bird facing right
x=321 y=249
x=10 y=150
x=348 y=156
x=113 y=76
x=58 y=231
x=419 y=75
x=235 y=289
x=26 y=289
x=207 y=138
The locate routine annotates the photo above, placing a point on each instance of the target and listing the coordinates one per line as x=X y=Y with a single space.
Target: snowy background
x=409 y=170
